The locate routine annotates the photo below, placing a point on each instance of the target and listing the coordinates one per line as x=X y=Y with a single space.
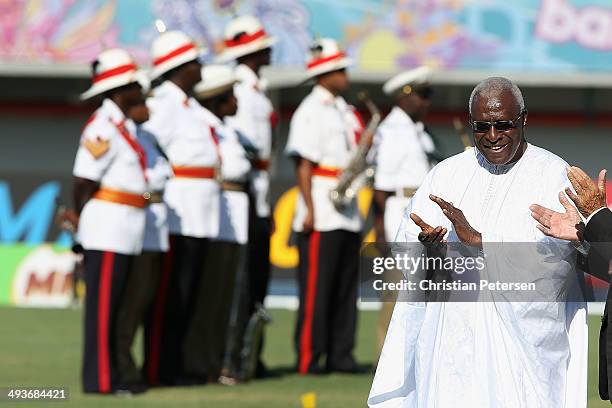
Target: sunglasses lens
x=503 y=125
x=481 y=127
x=500 y=126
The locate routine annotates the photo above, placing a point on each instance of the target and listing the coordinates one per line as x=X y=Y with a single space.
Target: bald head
x=493 y=90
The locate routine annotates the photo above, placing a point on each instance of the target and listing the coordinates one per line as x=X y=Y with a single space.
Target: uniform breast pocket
x=335 y=140
x=194 y=133
x=129 y=157
x=191 y=126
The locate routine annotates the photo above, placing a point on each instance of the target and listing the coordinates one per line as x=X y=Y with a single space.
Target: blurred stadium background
x=558 y=51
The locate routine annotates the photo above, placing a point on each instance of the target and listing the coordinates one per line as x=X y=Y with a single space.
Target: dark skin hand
x=83 y=190
x=430 y=236
x=304 y=177
x=590 y=197
x=67 y=219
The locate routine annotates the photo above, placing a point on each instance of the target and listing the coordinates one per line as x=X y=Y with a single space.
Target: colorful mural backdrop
x=382 y=35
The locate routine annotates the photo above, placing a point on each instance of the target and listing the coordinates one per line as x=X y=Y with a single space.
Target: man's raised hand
x=429 y=235
x=590 y=196
x=463 y=229
x=567 y=226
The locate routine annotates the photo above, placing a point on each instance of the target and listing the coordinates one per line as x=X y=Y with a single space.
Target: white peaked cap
x=243 y=36
x=216 y=79
x=326 y=56
x=417 y=76
x=114 y=68
x=172 y=49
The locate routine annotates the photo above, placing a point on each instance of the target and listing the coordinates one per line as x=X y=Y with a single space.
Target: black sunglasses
x=483 y=126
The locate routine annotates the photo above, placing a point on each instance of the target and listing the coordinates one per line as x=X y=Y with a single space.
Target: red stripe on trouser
x=309 y=299
x=104 y=299
x=158 y=318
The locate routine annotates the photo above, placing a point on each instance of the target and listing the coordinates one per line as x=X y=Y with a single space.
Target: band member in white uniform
x=215 y=93
x=183 y=131
x=109 y=183
x=403 y=158
x=143 y=283
x=403 y=146
x=247 y=43
x=323 y=137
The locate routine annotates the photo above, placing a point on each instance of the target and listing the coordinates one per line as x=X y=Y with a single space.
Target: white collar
x=246 y=75
x=211 y=118
x=501 y=168
x=326 y=97
x=400 y=117
x=115 y=114
x=170 y=88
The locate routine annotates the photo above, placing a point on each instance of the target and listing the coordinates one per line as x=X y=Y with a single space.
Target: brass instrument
x=359 y=172
x=460 y=128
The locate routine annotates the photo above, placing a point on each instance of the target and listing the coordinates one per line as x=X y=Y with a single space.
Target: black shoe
x=315 y=371
x=130 y=389
x=138 y=388
x=352 y=369
x=122 y=392
x=262 y=371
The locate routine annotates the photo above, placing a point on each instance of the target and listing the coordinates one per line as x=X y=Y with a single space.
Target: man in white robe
x=487 y=354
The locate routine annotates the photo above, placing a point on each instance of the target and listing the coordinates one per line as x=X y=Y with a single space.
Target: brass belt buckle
x=218 y=175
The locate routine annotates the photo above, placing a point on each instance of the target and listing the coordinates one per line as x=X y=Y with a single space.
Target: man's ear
x=525 y=117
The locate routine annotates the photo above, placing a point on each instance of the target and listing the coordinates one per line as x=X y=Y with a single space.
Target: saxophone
x=460 y=129
x=359 y=172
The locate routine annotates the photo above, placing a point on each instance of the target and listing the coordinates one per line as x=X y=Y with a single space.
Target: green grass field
x=42 y=348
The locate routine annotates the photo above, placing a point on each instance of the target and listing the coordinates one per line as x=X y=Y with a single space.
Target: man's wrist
x=478 y=240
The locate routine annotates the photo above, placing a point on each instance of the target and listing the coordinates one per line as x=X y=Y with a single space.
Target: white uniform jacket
x=401 y=162
x=159 y=172
x=254 y=120
x=324 y=130
x=106 y=156
x=183 y=129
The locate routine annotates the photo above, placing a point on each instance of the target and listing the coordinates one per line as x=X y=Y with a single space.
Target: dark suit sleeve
x=598 y=233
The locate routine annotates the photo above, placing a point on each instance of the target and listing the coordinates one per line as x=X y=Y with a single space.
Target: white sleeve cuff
x=583 y=247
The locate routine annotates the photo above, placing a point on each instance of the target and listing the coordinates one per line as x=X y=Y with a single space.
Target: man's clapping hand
x=590 y=196
x=567 y=225
x=432 y=236
x=429 y=236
